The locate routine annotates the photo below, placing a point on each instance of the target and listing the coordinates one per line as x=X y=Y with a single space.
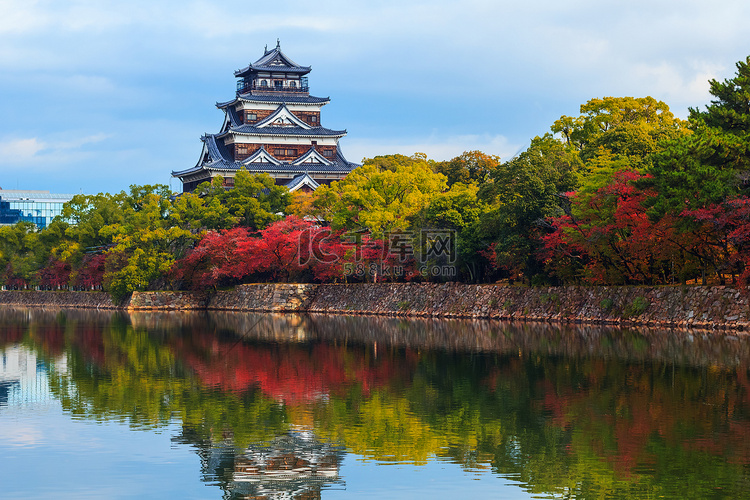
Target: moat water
x=232 y=405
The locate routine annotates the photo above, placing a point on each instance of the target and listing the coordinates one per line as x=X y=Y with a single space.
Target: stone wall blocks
x=703 y=307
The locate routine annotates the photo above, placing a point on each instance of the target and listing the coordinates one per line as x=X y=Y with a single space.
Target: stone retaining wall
x=696 y=307
x=282 y=297
x=58 y=299
x=141 y=301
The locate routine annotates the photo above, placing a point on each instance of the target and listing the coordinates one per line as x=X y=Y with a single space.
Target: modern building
x=273 y=125
x=39 y=207
x=24 y=379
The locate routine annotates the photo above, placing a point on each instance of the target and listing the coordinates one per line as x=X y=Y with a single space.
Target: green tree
x=461 y=210
x=624 y=126
x=730 y=110
x=88 y=214
x=395 y=161
x=521 y=194
x=254 y=202
x=146 y=244
x=705 y=168
x=378 y=199
x=197 y=213
x=614 y=134
x=470 y=167
x=20 y=254
x=712 y=163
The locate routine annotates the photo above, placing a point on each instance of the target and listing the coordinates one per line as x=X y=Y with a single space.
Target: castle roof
x=216 y=157
x=281 y=122
x=302 y=180
x=233 y=117
x=273 y=60
x=261 y=156
x=312 y=156
x=284 y=131
x=282 y=117
x=275 y=99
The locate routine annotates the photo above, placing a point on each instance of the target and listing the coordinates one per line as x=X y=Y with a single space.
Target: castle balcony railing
x=243 y=88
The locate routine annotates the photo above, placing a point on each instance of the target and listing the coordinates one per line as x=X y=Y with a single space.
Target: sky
x=97 y=95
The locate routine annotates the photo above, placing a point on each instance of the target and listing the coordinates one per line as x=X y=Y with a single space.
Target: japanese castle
x=272 y=126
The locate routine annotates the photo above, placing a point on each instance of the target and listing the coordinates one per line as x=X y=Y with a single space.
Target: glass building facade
x=38 y=207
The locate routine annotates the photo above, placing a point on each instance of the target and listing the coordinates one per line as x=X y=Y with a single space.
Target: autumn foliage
x=724 y=229
x=623 y=193
x=609 y=237
x=278 y=253
x=290 y=250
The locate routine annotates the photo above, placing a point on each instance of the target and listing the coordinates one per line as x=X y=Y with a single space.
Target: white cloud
x=20 y=17
x=79 y=142
x=20 y=150
x=36 y=150
x=679 y=87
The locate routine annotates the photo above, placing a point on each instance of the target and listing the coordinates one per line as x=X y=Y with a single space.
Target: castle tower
x=272 y=125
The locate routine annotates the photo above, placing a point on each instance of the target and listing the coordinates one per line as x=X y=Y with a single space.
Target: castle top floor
x=274 y=73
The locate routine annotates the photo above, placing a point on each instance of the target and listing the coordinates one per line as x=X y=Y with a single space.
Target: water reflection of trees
x=587 y=411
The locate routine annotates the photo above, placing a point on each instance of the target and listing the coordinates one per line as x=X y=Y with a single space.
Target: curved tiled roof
x=300 y=180
x=274 y=60
x=219 y=159
x=275 y=99
x=270 y=168
x=217 y=151
x=340 y=158
x=285 y=131
x=234 y=118
x=314 y=155
x=335 y=166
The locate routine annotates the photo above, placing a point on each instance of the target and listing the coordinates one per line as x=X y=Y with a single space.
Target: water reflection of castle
x=295 y=465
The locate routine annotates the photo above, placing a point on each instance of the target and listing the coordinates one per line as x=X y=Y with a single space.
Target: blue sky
x=97 y=95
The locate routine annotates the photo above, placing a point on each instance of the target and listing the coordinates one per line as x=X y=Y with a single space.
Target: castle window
x=314 y=118
x=292 y=84
x=251 y=117
x=264 y=83
x=284 y=152
x=327 y=152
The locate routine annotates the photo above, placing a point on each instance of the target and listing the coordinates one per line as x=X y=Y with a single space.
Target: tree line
x=623 y=193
